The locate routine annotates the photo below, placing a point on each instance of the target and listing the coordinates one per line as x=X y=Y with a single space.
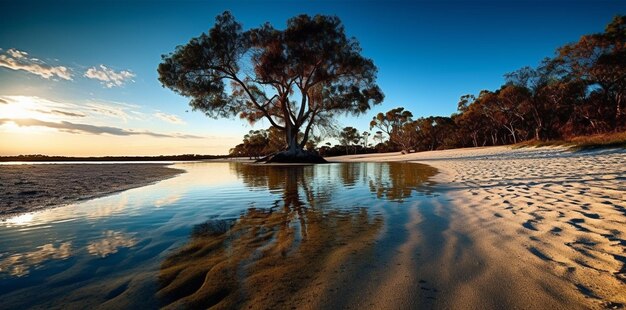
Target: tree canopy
x=580 y=91
x=296 y=78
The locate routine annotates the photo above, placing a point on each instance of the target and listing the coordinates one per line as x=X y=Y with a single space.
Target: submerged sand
x=525 y=228
x=505 y=229
x=27 y=188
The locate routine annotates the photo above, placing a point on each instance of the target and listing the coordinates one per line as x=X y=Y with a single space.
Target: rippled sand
x=27 y=188
x=529 y=228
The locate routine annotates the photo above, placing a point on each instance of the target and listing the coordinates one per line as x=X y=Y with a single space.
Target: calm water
x=222 y=233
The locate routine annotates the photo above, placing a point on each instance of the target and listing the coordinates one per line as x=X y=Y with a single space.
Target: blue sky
x=429 y=53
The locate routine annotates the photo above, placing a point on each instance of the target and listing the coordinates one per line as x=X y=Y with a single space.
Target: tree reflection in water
x=281 y=256
x=397 y=181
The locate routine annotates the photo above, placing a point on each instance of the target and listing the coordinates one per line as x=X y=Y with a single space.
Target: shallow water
x=230 y=234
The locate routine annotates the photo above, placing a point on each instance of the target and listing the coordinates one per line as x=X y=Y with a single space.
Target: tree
x=391 y=120
x=378 y=136
x=511 y=101
x=405 y=136
x=600 y=60
x=365 y=136
x=471 y=120
x=255 y=144
x=294 y=78
x=393 y=123
x=349 y=136
x=276 y=139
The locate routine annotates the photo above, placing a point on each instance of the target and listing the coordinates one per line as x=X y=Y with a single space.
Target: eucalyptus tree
x=600 y=60
x=349 y=136
x=365 y=136
x=393 y=123
x=296 y=78
x=378 y=136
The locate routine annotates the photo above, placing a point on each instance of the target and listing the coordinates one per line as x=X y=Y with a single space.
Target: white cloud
x=33 y=106
x=19 y=60
x=17 y=54
x=109 y=77
x=170 y=118
x=79 y=128
x=109 y=110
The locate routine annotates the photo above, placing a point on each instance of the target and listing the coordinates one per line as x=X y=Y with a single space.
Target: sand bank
x=27 y=188
x=525 y=228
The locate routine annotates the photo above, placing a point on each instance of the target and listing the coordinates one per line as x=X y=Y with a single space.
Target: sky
x=79 y=78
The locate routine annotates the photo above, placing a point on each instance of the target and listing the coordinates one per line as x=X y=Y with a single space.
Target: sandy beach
x=528 y=228
x=27 y=188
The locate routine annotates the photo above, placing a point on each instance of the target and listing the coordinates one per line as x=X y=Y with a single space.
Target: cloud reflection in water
x=19 y=265
x=112 y=241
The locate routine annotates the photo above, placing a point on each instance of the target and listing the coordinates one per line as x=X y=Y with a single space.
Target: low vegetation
x=608 y=140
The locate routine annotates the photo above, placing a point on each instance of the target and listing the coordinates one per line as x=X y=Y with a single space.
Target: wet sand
x=502 y=228
x=516 y=228
x=27 y=188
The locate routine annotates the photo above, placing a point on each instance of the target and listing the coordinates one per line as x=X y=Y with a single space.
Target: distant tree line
x=580 y=91
x=266 y=142
x=45 y=158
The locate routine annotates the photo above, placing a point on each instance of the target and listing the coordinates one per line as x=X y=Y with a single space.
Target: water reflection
x=19 y=265
x=276 y=257
x=286 y=231
x=112 y=241
x=292 y=183
x=398 y=181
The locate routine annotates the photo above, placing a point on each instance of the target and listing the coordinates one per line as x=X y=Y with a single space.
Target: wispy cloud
x=109 y=77
x=33 y=106
x=170 y=118
x=19 y=60
x=91 y=129
x=109 y=110
x=62 y=113
x=36 y=107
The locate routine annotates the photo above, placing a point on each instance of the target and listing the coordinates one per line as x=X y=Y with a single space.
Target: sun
x=17 y=107
x=21 y=107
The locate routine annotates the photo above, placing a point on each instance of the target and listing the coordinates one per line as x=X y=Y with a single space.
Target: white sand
x=529 y=228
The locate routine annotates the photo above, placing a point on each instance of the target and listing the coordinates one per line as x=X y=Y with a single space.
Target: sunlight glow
x=20 y=220
x=22 y=107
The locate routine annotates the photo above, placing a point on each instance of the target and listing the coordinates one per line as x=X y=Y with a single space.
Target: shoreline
x=29 y=188
x=527 y=228
x=504 y=228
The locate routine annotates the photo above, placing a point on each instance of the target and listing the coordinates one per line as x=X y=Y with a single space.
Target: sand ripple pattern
x=568 y=209
x=546 y=222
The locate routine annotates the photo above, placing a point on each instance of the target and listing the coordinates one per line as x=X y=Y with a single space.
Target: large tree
x=295 y=78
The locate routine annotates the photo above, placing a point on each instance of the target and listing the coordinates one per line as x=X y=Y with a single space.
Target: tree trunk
x=512 y=131
x=295 y=152
x=537 y=135
x=291 y=134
